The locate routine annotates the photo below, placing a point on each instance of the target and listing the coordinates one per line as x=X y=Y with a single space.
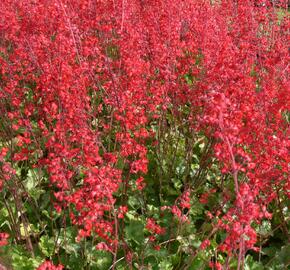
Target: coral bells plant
x=144 y=134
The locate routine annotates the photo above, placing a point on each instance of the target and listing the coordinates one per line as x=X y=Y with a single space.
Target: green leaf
x=165 y=265
x=284 y=255
x=21 y=260
x=250 y=264
x=31 y=181
x=103 y=260
x=46 y=245
x=66 y=240
x=135 y=231
x=197 y=263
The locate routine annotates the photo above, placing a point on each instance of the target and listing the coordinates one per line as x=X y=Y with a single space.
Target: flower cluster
x=4 y=239
x=48 y=265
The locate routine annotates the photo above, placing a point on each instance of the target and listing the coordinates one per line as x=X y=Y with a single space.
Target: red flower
x=4 y=239
x=48 y=265
x=153 y=227
x=204 y=244
x=122 y=211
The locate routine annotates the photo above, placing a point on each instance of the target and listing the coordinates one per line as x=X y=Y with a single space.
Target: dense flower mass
x=92 y=92
x=47 y=265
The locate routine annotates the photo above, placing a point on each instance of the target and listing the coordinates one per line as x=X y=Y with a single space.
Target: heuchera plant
x=105 y=104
